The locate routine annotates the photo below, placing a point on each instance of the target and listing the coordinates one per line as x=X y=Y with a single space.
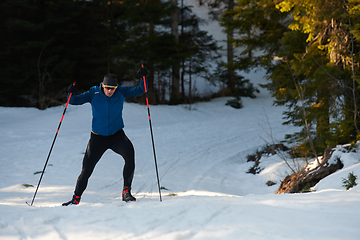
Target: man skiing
x=107 y=132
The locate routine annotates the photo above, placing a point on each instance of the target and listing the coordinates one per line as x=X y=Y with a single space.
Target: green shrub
x=350 y=181
x=235 y=103
x=307 y=188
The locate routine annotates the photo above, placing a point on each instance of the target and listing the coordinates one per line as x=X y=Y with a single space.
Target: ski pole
x=152 y=137
x=52 y=145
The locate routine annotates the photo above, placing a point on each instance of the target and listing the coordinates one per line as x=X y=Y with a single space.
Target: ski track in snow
x=202 y=162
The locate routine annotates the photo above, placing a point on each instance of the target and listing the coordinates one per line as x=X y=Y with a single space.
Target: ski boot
x=74 y=201
x=126 y=195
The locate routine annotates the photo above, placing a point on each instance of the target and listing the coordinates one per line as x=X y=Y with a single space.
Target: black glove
x=143 y=72
x=72 y=88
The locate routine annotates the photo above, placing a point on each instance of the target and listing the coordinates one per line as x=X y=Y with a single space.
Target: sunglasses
x=109 y=87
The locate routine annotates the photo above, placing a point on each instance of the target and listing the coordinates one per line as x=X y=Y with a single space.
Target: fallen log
x=310 y=176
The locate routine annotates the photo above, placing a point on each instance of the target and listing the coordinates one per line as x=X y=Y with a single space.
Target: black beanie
x=110 y=80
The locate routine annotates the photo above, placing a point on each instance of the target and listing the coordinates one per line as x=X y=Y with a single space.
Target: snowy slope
x=202 y=162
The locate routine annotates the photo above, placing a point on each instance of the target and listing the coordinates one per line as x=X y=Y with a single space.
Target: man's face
x=109 y=90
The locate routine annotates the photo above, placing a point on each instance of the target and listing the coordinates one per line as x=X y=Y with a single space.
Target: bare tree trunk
x=190 y=82
x=353 y=75
x=230 y=53
x=175 y=88
x=182 y=80
x=42 y=76
x=300 y=90
x=150 y=63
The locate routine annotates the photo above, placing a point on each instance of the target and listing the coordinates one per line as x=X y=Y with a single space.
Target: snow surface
x=201 y=156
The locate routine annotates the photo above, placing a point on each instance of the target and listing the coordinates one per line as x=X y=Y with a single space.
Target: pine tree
x=147 y=40
x=195 y=48
x=312 y=68
x=328 y=66
x=258 y=26
x=47 y=45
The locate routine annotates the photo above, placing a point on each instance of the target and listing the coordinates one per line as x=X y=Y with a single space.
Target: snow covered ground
x=201 y=156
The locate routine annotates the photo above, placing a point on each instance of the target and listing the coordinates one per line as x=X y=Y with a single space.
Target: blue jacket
x=107 y=111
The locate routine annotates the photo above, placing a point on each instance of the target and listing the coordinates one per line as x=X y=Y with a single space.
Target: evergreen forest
x=309 y=48
x=48 y=44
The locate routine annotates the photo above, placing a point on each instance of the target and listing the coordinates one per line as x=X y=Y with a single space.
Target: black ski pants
x=96 y=147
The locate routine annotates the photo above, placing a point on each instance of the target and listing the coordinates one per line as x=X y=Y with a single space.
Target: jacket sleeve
x=83 y=97
x=134 y=91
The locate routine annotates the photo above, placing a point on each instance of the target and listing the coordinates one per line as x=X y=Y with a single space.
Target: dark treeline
x=46 y=45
